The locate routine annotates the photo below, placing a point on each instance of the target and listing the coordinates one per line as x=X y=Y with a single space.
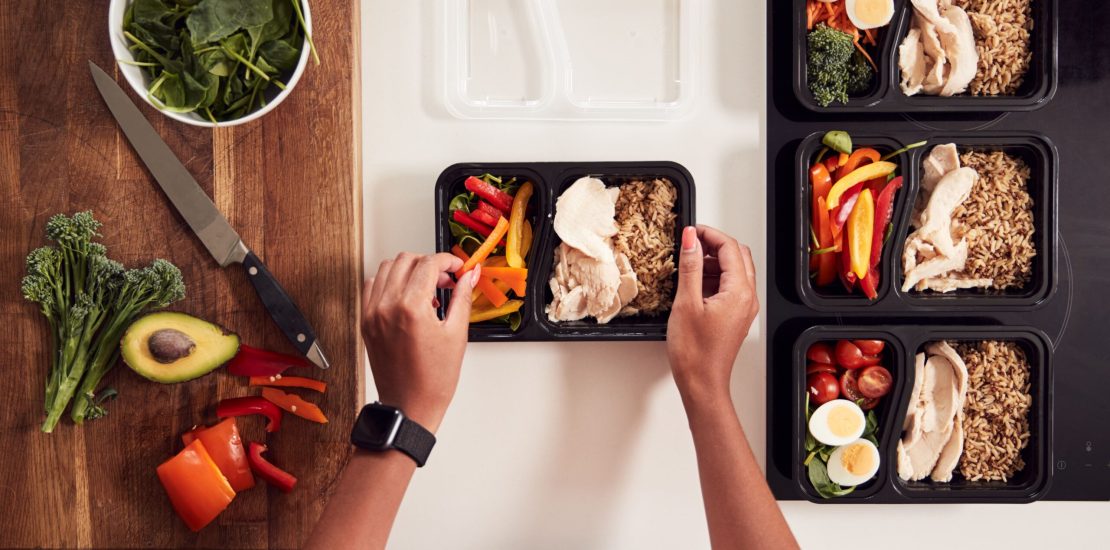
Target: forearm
x=362 y=508
x=739 y=507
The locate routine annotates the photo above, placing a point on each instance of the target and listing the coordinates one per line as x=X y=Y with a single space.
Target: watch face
x=377 y=425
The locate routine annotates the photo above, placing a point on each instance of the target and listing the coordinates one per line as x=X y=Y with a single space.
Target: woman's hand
x=713 y=310
x=415 y=356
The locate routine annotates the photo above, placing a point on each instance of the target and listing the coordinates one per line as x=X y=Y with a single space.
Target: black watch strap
x=413 y=440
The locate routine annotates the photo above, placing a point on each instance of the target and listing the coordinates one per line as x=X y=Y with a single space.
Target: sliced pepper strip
x=861 y=224
x=856 y=159
x=858 y=176
x=243 y=406
x=480 y=300
x=273 y=475
x=490 y=291
x=294 y=404
x=884 y=211
x=826 y=263
x=259 y=362
x=870 y=284
x=197 y=489
x=495 y=196
x=484 y=217
x=474 y=225
x=290 y=382
x=516 y=278
x=525 y=243
x=479 y=315
x=460 y=253
x=487 y=247
x=516 y=225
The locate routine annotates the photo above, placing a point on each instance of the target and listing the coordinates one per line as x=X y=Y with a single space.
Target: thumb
x=458 y=311
x=690 y=267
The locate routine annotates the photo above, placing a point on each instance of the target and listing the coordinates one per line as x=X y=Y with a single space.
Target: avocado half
x=171 y=347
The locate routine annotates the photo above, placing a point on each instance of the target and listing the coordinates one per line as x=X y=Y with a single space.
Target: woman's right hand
x=713 y=310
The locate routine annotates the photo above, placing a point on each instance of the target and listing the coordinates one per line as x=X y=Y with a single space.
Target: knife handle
x=281 y=307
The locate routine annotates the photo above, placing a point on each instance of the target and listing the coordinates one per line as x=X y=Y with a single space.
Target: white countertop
x=585 y=445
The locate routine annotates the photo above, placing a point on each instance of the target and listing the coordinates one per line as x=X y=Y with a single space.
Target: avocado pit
x=168 y=345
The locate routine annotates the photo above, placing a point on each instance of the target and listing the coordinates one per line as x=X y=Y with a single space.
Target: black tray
x=1037 y=151
x=550 y=179
x=886 y=96
x=1029 y=485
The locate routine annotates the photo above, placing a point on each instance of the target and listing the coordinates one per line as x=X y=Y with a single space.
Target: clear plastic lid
x=569 y=59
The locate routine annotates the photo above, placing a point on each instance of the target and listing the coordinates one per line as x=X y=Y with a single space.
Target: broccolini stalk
x=156 y=286
x=85 y=297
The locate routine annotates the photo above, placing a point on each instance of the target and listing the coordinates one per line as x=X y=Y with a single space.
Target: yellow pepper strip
x=487 y=247
x=496 y=297
x=861 y=228
x=864 y=173
x=479 y=315
x=515 y=277
x=516 y=225
x=525 y=242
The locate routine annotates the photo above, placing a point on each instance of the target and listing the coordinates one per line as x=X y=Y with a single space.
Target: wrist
x=426 y=413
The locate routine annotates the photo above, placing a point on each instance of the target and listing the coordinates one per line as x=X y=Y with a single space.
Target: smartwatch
x=381 y=428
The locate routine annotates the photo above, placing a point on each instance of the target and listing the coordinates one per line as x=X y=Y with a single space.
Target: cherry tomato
x=848 y=355
x=870 y=347
x=849 y=386
x=869 y=360
x=820 y=353
x=822 y=388
x=814 y=368
x=874 y=382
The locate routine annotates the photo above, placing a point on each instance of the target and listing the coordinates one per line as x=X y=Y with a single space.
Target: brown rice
x=646 y=218
x=996 y=413
x=998 y=219
x=1002 y=30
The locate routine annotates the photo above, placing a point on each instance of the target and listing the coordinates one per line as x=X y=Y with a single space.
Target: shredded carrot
x=835 y=16
x=867 y=57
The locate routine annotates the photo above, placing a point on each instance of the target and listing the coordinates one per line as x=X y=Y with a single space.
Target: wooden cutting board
x=289 y=183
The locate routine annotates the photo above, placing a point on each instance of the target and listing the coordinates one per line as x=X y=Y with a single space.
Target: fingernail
x=689 y=239
x=477 y=272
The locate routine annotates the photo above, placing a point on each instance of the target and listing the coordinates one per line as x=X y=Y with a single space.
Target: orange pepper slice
x=197 y=489
x=289 y=382
x=294 y=404
x=486 y=249
x=516 y=225
x=490 y=291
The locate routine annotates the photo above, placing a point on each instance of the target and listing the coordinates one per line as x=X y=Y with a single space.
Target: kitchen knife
x=202 y=216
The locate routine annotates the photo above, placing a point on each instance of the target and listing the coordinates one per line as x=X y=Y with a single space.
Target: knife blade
x=206 y=221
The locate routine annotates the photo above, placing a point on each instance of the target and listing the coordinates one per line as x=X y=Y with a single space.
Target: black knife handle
x=281 y=307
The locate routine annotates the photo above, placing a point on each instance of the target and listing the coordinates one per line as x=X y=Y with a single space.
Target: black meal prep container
x=550 y=179
x=904 y=341
x=1036 y=150
x=886 y=95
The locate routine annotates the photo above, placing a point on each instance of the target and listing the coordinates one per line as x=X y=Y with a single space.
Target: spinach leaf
x=818 y=475
x=214 y=20
x=460 y=202
x=279 y=54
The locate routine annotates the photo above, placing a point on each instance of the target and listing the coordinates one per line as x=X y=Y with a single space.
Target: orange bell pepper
x=294 y=404
x=487 y=247
x=826 y=263
x=856 y=159
x=860 y=230
x=516 y=225
x=224 y=445
x=480 y=301
x=516 y=278
x=479 y=315
x=857 y=177
x=197 y=489
x=289 y=382
x=490 y=291
x=460 y=253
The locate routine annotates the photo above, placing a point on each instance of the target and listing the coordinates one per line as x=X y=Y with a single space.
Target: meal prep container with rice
x=1038 y=153
x=550 y=179
x=904 y=341
x=886 y=95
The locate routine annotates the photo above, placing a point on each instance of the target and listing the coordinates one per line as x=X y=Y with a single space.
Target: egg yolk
x=856 y=460
x=872 y=12
x=842 y=422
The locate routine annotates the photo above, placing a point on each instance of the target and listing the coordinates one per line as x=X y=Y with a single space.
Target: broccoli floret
x=860 y=74
x=831 y=68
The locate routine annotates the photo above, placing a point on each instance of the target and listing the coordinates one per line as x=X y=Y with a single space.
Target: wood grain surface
x=288 y=182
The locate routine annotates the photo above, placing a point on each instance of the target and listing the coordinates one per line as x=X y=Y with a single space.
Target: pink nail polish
x=689 y=239
x=477 y=272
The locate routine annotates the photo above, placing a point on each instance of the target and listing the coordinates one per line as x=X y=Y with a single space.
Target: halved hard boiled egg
x=854 y=463
x=869 y=14
x=837 y=422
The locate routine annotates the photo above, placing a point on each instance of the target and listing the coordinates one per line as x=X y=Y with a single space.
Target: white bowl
x=138 y=81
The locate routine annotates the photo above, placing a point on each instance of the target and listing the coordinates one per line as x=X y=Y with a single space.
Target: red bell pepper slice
x=484 y=217
x=847 y=278
x=273 y=475
x=870 y=284
x=224 y=445
x=493 y=212
x=244 y=406
x=884 y=211
x=478 y=227
x=840 y=214
x=259 y=362
x=197 y=489
x=496 y=197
